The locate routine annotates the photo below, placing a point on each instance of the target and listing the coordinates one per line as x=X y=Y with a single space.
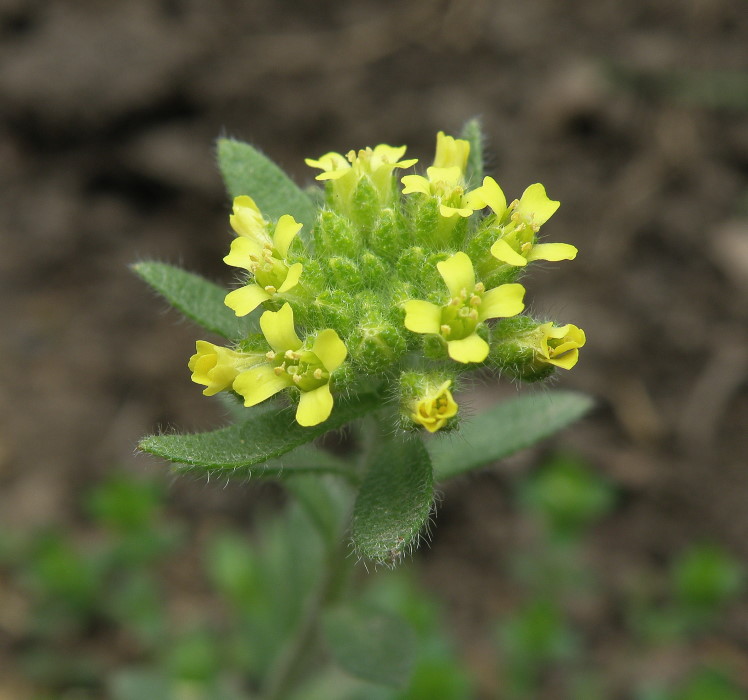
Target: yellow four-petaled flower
x=559 y=345
x=262 y=255
x=435 y=408
x=290 y=363
x=470 y=304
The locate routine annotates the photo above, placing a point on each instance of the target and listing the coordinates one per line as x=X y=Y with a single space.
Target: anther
x=318 y=373
x=297 y=378
x=526 y=246
x=475 y=300
x=292 y=355
x=270 y=355
x=279 y=370
x=445 y=329
x=480 y=287
x=473 y=315
x=270 y=289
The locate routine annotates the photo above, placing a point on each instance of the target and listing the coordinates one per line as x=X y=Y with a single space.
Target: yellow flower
x=433 y=410
x=445 y=179
x=289 y=363
x=522 y=220
x=470 y=304
x=559 y=345
x=263 y=256
x=345 y=172
x=216 y=367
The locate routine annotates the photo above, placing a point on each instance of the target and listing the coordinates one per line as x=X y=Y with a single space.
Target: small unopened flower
x=451 y=152
x=518 y=224
x=345 y=173
x=470 y=305
x=261 y=255
x=216 y=367
x=559 y=345
x=291 y=363
x=434 y=408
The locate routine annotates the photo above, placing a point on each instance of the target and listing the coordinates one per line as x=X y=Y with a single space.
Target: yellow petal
x=501 y=250
x=292 y=277
x=246 y=299
x=422 y=316
x=552 y=252
x=566 y=360
x=243 y=250
x=534 y=205
x=278 y=328
x=246 y=218
x=502 y=301
x=457 y=273
x=450 y=176
x=415 y=183
x=314 y=406
x=259 y=383
x=285 y=231
x=451 y=152
x=489 y=194
x=447 y=211
x=470 y=349
x=333 y=164
x=330 y=349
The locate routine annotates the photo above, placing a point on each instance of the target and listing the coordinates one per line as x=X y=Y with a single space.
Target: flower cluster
x=395 y=290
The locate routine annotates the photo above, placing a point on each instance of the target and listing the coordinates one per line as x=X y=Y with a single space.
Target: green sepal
x=374 y=646
x=504 y=429
x=233 y=450
x=196 y=298
x=395 y=500
x=473 y=134
x=246 y=171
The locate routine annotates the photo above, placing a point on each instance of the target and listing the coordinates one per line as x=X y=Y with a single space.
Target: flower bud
x=426 y=400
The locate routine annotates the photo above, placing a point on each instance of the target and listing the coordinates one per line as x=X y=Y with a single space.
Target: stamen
x=317 y=373
x=297 y=378
x=473 y=315
x=475 y=300
x=270 y=289
x=279 y=370
x=480 y=288
x=526 y=246
x=292 y=355
x=271 y=355
x=445 y=329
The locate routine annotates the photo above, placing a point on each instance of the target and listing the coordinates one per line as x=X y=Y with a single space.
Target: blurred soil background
x=634 y=115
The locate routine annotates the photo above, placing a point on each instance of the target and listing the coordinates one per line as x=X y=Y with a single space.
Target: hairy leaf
x=506 y=428
x=395 y=499
x=198 y=299
x=473 y=134
x=370 y=645
x=232 y=450
x=246 y=171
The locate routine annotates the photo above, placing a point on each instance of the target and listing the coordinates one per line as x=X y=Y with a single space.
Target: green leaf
x=326 y=501
x=198 y=299
x=506 y=428
x=233 y=450
x=372 y=646
x=395 y=499
x=246 y=171
x=473 y=134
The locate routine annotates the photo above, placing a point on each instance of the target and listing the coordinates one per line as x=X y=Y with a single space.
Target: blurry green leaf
x=195 y=656
x=441 y=678
x=124 y=503
x=136 y=684
x=246 y=171
x=198 y=299
x=232 y=566
x=372 y=646
x=504 y=429
x=473 y=134
x=709 y=684
x=395 y=499
x=705 y=577
x=326 y=502
x=567 y=495
x=231 y=451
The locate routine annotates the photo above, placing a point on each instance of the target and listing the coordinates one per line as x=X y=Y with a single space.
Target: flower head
x=262 y=255
x=559 y=345
x=375 y=164
x=434 y=408
x=518 y=224
x=470 y=305
x=216 y=367
x=291 y=362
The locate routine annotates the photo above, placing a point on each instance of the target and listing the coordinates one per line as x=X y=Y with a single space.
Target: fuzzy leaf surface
x=246 y=171
x=395 y=499
x=195 y=297
x=473 y=134
x=504 y=429
x=233 y=450
x=370 y=645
